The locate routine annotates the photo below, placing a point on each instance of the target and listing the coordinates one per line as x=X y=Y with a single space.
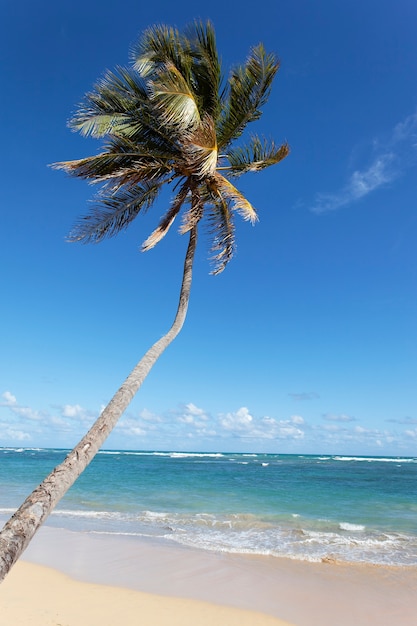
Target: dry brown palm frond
x=194 y=214
x=199 y=148
x=236 y=199
x=166 y=222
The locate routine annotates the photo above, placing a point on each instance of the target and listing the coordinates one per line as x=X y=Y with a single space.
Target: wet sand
x=300 y=593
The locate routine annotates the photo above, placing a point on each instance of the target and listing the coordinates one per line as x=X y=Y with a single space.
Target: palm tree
x=167 y=119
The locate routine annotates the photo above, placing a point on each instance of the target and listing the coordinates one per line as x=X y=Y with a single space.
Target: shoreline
x=297 y=592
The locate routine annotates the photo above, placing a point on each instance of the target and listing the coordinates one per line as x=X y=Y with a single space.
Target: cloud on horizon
x=391 y=157
x=191 y=427
x=404 y=420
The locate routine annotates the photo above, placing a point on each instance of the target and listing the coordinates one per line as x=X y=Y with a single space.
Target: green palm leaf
x=113 y=213
x=159 y=46
x=249 y=88
x=107 y=166
x=206 y=75
x=174 y=99
x=255 y=156
x=113 y=107
x=222 y=230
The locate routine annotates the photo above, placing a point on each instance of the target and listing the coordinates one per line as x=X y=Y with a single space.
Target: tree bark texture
x=19 y=530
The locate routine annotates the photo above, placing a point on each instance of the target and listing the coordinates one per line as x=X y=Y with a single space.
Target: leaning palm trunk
x=19 y=530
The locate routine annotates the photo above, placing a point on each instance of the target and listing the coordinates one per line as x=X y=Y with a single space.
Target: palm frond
x=249 y=88
x=174 y=99
x=221 y=228
x=113 y=213
x=255 y=156
x=124 y=162
x=107 y=166
x=102 y=124
x=166 y=222
x=113 y=107
x=194 y=214
x=235 y=198
x=158 y=46
x=199 y=149
x=206 y=69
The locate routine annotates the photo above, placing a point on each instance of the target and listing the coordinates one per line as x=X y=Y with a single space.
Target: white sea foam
x=186 y=455
x=115 y=452
x=155 y=515
x=87 y=514
x=375 y=459
x=9 y=449
x=351 y=527
x=171 y=455
x=248 y=534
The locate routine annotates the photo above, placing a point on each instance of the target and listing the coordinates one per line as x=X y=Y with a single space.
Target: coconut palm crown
x=171 y=118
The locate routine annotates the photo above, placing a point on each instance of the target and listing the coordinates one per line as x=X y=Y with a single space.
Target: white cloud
x=59 y=421
x=392 y=156
x=27 y=413
x=406 y=131
x=239 y=421
x=22 y=411
x=72 y=410
x=240 y=429
x=290 y=432
x=9 y=398
x=77 y=413
x=194 y=410
x=148 y=416
x=404 y=420
x=13 y=435
x=381 y=171
x=186 y=419
x=354 y=439
x=332 y=428
x=243 y=424
x=193 y=415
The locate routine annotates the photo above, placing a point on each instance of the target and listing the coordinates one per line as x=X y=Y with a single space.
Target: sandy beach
x=68 y=578
x=41 y=596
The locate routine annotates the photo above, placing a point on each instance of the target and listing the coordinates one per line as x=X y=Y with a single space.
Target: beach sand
x=38 y=596
x=81 y=579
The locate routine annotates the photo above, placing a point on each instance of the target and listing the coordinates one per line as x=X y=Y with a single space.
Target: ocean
x=344 y=508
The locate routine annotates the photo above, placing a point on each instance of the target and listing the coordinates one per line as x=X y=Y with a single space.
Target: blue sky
x=307 y=342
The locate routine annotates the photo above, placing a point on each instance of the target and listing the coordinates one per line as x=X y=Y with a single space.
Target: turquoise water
x=356 y=509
